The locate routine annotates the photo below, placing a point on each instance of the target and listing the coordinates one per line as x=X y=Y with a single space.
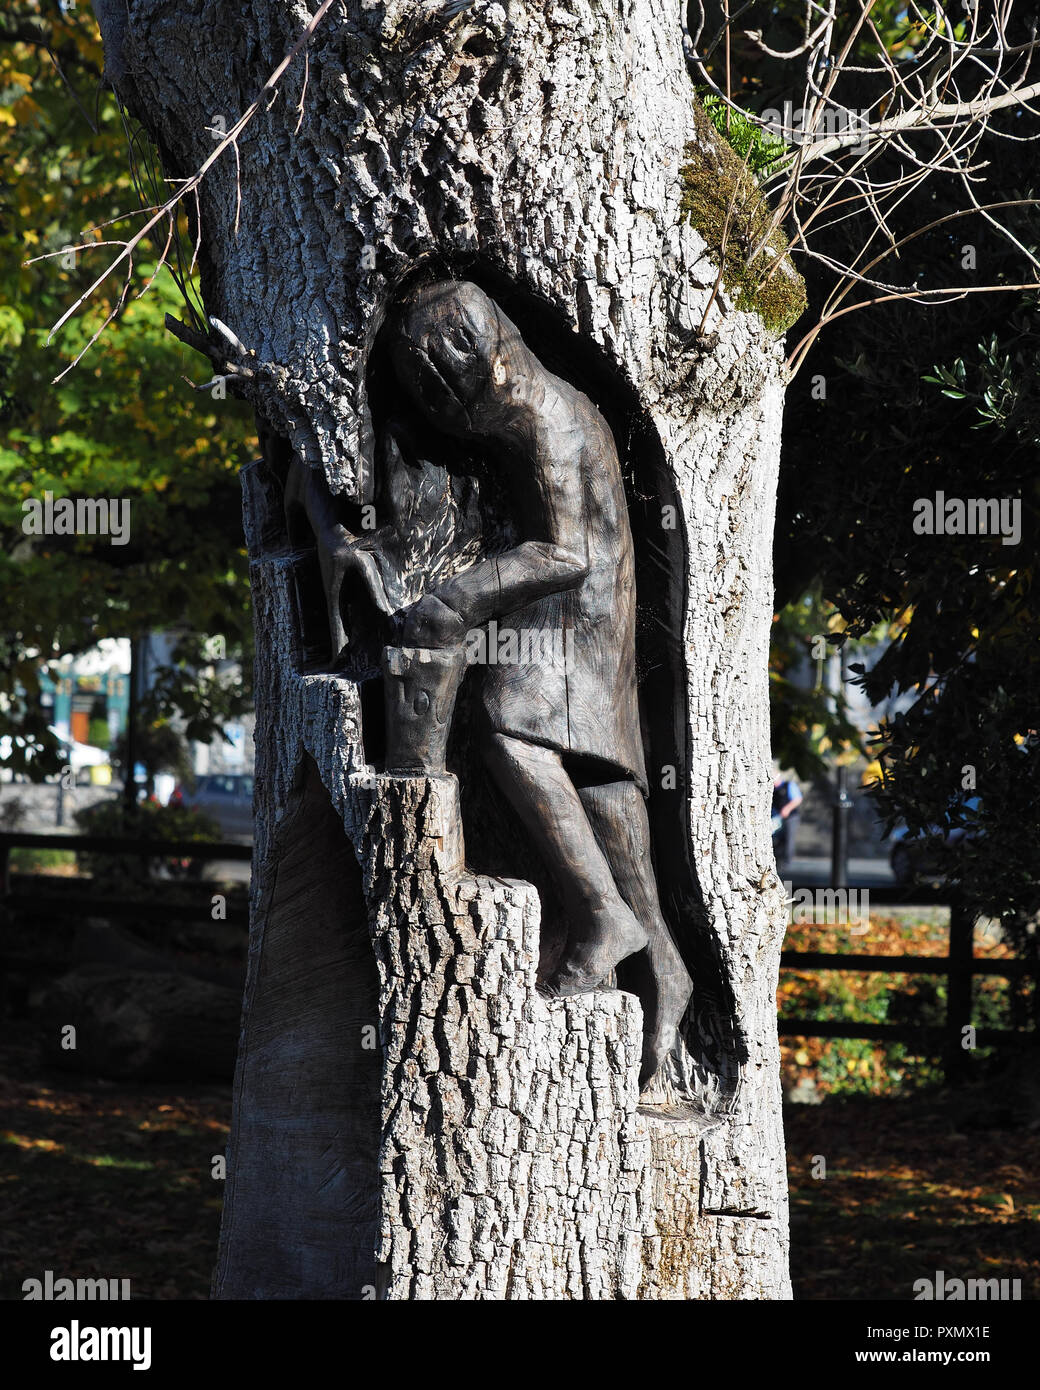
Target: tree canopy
x=123 y=424
x=900 y=405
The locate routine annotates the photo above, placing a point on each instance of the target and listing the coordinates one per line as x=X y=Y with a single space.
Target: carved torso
x=584 y=700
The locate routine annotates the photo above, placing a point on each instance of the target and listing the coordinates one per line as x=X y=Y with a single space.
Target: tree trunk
x=413 y=1119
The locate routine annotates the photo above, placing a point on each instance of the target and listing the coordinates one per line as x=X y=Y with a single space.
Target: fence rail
x=120 y=844
x=63 y=897
x=960 y=966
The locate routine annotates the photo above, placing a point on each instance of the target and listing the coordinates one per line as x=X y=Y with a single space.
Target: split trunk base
x=443 y=1131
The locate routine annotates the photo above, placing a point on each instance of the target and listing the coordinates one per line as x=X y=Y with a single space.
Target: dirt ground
x=940 y=1181
x=101 y=1179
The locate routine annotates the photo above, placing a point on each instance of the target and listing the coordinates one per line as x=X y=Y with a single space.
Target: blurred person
x=786 y=808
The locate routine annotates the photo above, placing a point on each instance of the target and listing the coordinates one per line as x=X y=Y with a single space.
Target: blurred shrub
x=148 y=820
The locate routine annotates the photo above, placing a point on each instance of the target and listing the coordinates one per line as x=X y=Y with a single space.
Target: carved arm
x=502 y=583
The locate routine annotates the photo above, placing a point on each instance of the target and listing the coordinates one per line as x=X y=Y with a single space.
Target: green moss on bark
x=713 y=178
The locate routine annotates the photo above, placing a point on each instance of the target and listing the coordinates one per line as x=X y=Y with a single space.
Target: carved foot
x=665 y=994
x=614 y=935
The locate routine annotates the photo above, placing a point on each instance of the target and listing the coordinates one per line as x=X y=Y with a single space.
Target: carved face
x=446 y=355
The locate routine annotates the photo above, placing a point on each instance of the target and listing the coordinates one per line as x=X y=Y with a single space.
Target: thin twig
x=187 y=185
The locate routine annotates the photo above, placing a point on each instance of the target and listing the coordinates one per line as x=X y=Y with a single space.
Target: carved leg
x=603 y=930
x=333 y=567
x=617 y=814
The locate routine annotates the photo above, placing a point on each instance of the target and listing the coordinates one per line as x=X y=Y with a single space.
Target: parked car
x=913 y=857
x=227 y=797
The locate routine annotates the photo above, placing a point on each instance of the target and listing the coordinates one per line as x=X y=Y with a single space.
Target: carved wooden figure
x=561 y=731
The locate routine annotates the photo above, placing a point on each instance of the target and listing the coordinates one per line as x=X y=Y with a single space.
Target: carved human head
x=451 y=350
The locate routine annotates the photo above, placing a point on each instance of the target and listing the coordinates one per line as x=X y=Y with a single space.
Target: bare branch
x=187 y=185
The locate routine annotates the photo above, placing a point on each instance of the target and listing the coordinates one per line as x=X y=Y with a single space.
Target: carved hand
x=430 y=623
x=349 y=556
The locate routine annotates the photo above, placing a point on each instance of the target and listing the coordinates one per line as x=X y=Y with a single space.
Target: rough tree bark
x=493 y=1144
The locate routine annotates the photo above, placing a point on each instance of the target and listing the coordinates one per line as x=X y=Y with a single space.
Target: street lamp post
x=840 y=831
x=130 y=779
x=842 y=801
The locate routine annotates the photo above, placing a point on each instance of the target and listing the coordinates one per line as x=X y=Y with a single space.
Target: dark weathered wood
x=85 y=904
x=934 y=1038
x=420 y=685
x=959 y=991
x=560 y=726
x=889 y=894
